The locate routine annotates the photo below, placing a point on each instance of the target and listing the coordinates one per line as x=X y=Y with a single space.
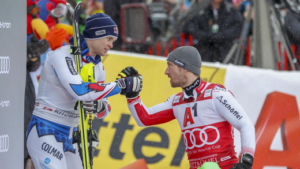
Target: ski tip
x=78 y=5
x=77 y=8
x=70 y=8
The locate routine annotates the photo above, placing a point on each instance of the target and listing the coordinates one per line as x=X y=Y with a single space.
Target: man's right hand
x=132 y=84
x=127 y=72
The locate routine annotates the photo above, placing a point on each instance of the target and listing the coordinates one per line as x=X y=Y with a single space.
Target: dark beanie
x=99 y=26
x=186 y=57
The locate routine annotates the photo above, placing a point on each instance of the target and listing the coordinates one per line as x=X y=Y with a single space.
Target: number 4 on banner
x=279 y=110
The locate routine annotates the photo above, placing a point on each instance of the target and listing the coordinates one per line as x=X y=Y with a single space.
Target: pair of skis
x=86 y=138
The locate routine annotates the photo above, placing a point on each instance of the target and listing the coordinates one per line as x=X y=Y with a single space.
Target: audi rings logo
x=4 y=64
x=4 y=143
x=201 y=135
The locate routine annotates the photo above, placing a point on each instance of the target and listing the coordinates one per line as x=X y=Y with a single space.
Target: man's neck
x=189 y=89
x=190 y=81
x=96 y=59
x=92 y=54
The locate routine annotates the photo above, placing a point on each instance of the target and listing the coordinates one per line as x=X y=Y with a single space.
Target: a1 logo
x=188 y=118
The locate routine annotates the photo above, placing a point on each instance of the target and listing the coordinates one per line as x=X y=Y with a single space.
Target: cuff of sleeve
x=248 y=150
x=133 y=100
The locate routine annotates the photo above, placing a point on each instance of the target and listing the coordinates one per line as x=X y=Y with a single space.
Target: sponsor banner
x=272 y=100
x=122 y=141
x=12 y=82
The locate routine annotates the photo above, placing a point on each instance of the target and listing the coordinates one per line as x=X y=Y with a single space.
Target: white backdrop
x=251 y=87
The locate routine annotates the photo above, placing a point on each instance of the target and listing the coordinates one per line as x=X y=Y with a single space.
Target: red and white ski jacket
x=206 y=118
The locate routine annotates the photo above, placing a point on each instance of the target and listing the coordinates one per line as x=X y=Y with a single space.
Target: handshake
x=130 y=82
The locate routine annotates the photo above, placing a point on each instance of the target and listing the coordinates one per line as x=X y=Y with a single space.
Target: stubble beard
x=175 y=84
x=181 y=81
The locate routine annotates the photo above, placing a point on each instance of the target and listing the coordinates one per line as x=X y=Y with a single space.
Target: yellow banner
x=121 y=140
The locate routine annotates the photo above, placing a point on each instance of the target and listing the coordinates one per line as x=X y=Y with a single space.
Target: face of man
x=101 y=46
x=176 y=75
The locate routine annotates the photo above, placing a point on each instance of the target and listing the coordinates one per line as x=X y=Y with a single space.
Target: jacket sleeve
x=157 y=114
x=64 y=68
x=107 y=110
x=227 y=106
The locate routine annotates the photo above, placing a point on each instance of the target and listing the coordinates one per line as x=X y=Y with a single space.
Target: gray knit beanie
x=186 y=57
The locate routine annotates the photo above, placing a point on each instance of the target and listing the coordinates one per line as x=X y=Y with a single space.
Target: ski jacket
x=206 y=114
x=61 y=86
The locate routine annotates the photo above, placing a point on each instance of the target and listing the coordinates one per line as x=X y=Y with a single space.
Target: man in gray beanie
x=206 y=113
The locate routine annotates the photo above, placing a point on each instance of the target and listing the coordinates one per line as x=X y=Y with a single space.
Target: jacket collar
x=192 y=90
x=87 y=59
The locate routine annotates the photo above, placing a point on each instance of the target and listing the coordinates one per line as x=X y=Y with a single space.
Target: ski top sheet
x=85 y=124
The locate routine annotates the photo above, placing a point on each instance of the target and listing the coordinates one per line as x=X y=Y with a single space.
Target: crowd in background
x=214 y=27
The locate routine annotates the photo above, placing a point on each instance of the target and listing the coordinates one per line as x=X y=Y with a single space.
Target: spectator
x=243 y=6
x=292 y=24
x=96 y=6
x=215 y=29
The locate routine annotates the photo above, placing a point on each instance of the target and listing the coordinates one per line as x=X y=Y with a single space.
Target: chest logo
x=198 y=137
x=188 y=118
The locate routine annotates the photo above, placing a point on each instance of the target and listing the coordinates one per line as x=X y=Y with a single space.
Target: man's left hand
x=93 y=106
x=128 y=71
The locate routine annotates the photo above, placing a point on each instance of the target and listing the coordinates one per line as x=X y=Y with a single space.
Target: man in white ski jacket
x=206 y=113
x=49 y=135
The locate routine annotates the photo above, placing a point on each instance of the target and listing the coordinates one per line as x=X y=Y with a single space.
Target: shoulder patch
x=176 y=99
x=207 y=93
x=219 y=88
x=71 y=66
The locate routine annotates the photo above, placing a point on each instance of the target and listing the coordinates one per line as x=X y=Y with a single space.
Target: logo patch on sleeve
x=207 y=93
x=221 y=89
x=71 y=66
